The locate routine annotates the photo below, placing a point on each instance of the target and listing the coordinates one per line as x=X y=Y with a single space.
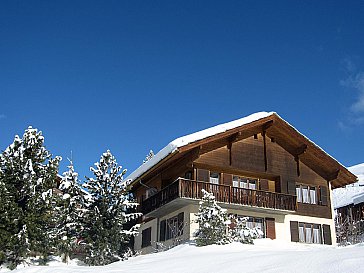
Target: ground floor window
x=255 y=222
x=172 y=227
x=309 y=233
x=147 y=237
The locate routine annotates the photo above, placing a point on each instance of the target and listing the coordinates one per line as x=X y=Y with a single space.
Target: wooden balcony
x=190 y=189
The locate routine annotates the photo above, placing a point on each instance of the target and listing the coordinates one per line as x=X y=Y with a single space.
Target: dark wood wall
x=247 y=158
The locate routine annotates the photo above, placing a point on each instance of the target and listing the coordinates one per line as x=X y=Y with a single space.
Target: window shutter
x=323 y=195
x=264 y=184
x=147 y=237
x=162 y=231
x=278 y=185
x=327 y=234
x=294 y=231
x=228 y=179
x=291 y=187
x=271 y=229
x=203 y=175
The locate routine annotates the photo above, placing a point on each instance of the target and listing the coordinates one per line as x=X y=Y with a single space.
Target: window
x=309 y=233
x=299 y=194
x=188 y=175
x=252 y=184
x=172 y=227
x=312 y=195
x=255 y=222
x=147 y=237
x=244 y=182
x=317 y=234
x=306 y=194
x=214 y=178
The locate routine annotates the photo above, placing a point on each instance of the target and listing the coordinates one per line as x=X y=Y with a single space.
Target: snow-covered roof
x=182 y=141
x=345 y=177
x=351 y=194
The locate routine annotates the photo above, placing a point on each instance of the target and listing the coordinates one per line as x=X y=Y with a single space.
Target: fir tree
x=28 y=173
x=109 y=210
x=69 y=213
x=212 y=220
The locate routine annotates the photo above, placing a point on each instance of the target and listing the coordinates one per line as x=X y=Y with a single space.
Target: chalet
x=259 y=166
x=349 y=209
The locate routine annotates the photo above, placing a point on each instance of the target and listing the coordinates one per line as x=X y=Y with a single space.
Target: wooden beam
x=265 y=151
x=230 y=140
x=233 y=137
x=300 y=150
x=266 y=125
x=230 y=144
x=296 y=158
x=333 y=175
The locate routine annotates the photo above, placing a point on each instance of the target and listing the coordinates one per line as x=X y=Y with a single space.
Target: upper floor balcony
x=184 y=189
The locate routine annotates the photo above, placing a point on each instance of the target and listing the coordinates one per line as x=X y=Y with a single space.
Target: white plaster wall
x=154 y=224
x=283 y=229
x=332 y=227
x=282 y=225
x=138 y=238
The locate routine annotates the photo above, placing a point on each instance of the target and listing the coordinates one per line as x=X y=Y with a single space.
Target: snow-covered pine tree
x=28 y=175
x=69 y=213
x=110 y=208
x=212 y=220
x=8 y=212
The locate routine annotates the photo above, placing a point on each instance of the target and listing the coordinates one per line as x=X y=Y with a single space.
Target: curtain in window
x=214 y=180
x=243 y=183
x=313 y=195
x=299 y=195
x=301 y=233
x=308 y=234
x=252 y=184
x=316 y=235
x=235 y=181
x=250 y=222
x=259 y=225
x=305 y=194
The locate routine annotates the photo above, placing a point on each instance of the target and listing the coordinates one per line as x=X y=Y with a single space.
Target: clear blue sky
x=131 y=76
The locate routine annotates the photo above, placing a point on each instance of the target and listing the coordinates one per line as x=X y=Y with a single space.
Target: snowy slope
x=265 y=256
x=352 y=194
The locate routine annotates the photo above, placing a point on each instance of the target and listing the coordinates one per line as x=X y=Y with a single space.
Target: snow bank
x=265 y=256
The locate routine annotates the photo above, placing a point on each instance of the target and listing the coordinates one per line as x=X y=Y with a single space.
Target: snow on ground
x=265 y=256
x=353 y=193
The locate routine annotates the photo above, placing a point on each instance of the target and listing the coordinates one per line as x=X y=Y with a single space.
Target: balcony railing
x=183 y=188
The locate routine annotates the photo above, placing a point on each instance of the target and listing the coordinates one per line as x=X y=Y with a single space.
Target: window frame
x=304 y=194
x=173 y=227
x=308 y=229
x=244 y=182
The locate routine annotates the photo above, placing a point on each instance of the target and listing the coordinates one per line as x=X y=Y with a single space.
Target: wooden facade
x=260 y=166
